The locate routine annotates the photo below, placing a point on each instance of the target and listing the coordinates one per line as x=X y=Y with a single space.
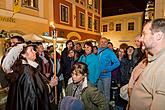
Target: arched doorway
x=74 y=36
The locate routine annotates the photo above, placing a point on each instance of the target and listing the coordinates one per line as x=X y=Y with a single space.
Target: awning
x=34 y=37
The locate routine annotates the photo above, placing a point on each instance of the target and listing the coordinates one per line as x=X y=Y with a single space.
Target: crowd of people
x=86 y=75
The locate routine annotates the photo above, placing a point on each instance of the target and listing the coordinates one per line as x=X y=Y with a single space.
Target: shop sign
x=7 y=19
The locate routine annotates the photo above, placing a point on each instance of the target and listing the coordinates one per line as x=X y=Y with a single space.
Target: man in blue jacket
x=108 y=62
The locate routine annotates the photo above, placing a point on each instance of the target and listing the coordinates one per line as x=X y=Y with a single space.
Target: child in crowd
x=81 y=89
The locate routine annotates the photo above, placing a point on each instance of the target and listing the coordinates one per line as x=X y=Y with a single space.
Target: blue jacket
x=108 y=61
x=93 y=67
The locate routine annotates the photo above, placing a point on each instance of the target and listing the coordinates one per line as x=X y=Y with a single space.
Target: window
x=96 y=24
x=30 y=3
x=118 y=27
x=89 y=22
x=131 y=26
x=64 y=13
x=82 y=19
x=104 y=28
x=111 y=26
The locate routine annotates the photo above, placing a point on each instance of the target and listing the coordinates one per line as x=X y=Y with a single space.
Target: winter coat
x=93 y=67
x=108 y=61
x=91 y=97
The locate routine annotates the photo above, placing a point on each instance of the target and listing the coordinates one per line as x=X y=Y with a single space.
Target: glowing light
x=52 y=24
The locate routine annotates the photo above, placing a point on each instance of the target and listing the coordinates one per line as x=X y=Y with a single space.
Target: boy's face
x=77 y=77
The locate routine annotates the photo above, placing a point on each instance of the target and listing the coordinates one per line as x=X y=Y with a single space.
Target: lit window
x=131 y=26
x=89 y=22
x=64 y=13
x=118 y=27
x=30 y=3
x=82 y=19
x=96 y=24
x=104 y=28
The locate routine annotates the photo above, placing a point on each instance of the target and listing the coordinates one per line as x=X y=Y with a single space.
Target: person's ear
x=159 y=36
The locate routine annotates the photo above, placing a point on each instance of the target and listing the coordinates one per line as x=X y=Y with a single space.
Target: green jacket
x=91 y=97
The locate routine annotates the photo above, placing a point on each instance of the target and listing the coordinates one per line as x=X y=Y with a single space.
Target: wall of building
x=159 y=9
x=27 y=20
x=74 y=19
x=125 y=35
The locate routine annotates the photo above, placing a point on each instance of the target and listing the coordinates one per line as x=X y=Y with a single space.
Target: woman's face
x=70 y=45
x=71 y=53
x=30 y=53
x=121 y=52
x=130 y=51
x=88 y=49
x=95 y=50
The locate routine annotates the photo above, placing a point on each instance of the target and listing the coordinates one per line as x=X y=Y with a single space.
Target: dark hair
x=95 y=47
x=158 y=25
x=19 y=38
x=70 y=50
x=78 y=44
x=38 y=43
x=110 y=43
x=69 y=42
x=126 y=54
x=80 y=67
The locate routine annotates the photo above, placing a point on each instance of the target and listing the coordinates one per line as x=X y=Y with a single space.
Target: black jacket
x=29 y=91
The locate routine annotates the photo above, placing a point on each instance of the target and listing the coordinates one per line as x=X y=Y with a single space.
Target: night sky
x=117 y=7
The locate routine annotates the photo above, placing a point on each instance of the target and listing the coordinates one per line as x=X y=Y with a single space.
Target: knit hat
x=71 y=103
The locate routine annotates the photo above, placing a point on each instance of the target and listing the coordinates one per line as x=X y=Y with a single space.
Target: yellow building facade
x=21 y=17
x=122 y=28
x=33 y=17
x=159 y=9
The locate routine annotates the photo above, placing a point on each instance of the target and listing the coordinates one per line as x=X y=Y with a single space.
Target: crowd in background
x=91 y=75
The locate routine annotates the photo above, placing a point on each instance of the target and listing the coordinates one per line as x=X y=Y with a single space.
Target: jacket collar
x=154 y=57
x=31 y=63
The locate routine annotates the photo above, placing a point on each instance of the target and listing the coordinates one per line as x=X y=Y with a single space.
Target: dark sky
x=117 y=7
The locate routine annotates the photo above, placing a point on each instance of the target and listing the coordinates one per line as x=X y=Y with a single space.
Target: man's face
x=103 y=43
x=148 y=38
x=40 y=48
x=14 y=41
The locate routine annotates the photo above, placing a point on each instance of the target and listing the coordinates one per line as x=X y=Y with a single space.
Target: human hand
x=53 y=81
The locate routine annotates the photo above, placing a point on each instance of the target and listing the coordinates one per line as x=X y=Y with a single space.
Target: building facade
x=32 y=16
x=159 y=9
x=121 y=29
x=19 y=17
x=77 y=19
